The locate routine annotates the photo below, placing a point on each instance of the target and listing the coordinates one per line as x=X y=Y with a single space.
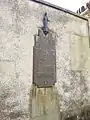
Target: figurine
x=45 y=23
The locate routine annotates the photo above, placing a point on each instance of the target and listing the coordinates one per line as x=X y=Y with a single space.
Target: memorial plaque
x=44 y=60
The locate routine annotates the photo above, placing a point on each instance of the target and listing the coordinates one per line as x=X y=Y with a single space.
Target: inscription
x=44 y=61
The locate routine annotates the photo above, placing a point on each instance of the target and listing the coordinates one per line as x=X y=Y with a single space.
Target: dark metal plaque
x=44 y=61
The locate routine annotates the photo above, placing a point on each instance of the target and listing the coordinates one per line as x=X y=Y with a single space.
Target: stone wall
x=19 y=22
x=87 y=74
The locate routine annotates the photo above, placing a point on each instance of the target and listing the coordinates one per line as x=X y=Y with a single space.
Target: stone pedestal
x=44 y=104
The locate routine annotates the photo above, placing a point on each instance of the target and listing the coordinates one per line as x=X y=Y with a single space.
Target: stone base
x=44 y=104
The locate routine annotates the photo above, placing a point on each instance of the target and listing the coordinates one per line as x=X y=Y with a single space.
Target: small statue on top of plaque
x=45 y=24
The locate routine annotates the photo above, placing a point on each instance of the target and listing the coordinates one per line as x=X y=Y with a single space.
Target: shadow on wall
x=83 y=115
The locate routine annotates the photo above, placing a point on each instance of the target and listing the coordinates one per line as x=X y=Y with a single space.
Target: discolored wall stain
x=44 y=103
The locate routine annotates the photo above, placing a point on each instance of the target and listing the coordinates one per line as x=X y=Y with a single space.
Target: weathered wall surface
x=19 y=22
x=87 y=50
